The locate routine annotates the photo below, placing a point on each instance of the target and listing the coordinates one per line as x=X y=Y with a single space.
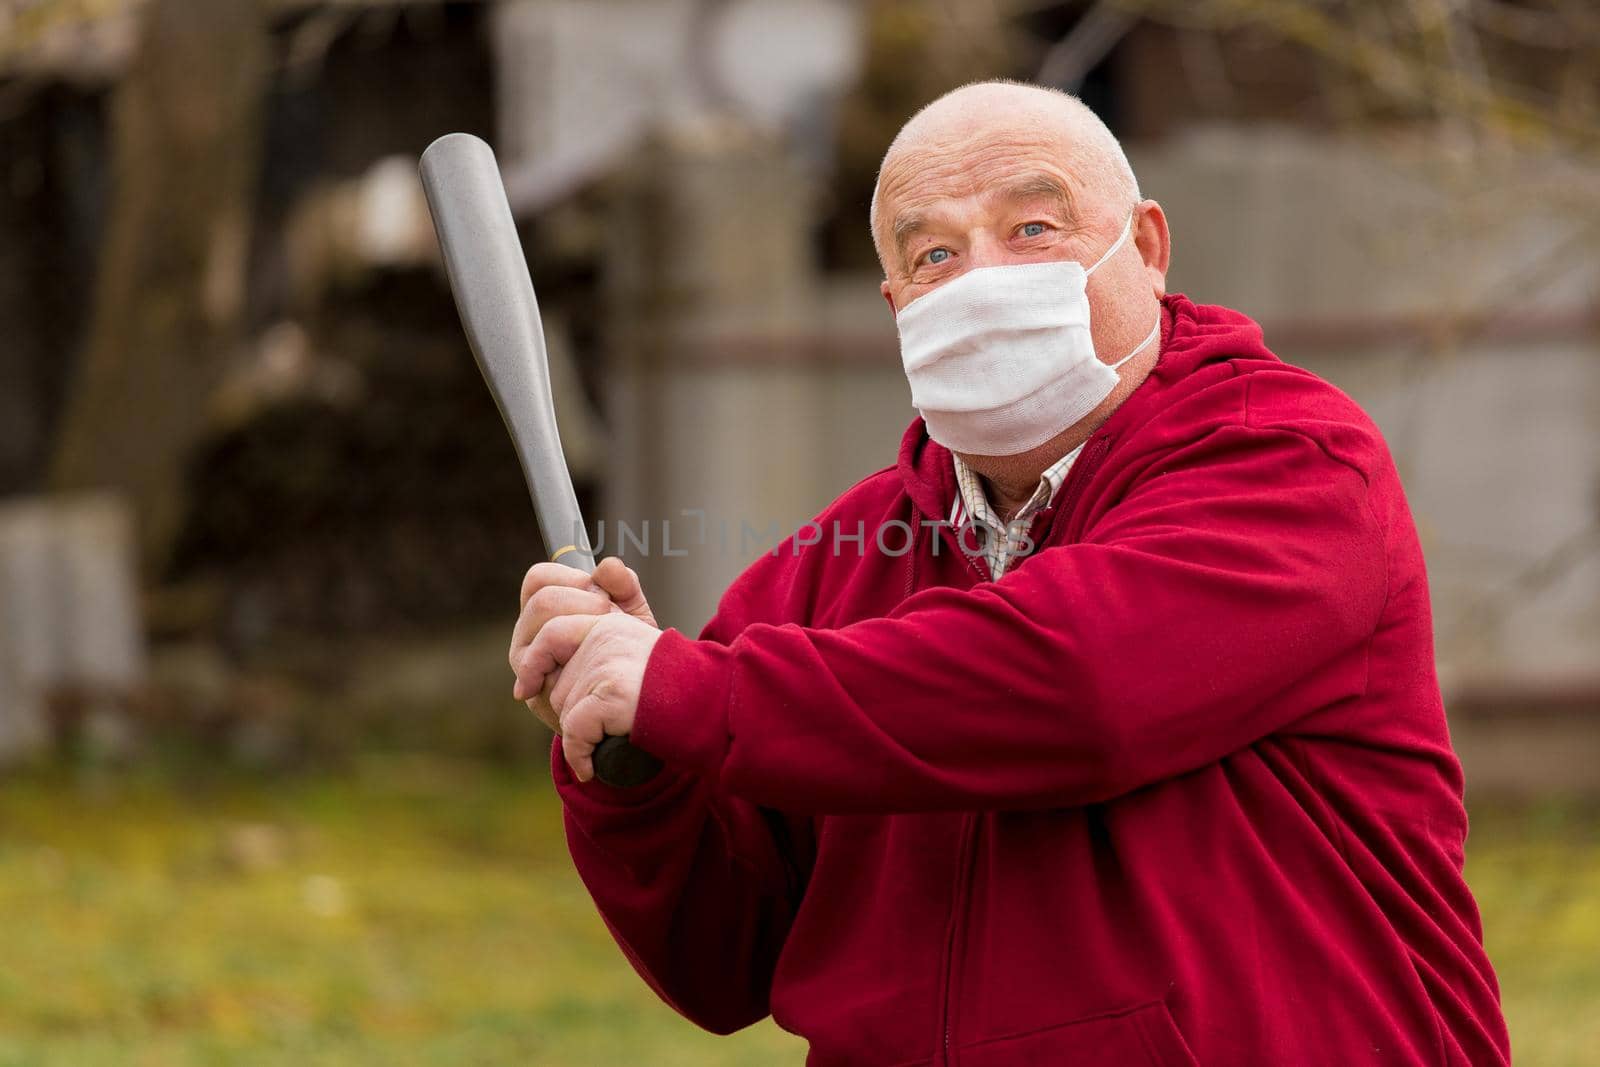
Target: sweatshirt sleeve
x=698 y=887
x=1229 y=592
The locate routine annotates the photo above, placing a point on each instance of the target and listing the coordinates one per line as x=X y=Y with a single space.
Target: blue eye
x=938 y=255
x=1032 y=229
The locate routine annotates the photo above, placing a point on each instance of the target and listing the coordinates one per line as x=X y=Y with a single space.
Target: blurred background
x=264 y=796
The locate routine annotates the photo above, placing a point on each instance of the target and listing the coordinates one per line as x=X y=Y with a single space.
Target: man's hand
x=598 y=662
x=552 y=590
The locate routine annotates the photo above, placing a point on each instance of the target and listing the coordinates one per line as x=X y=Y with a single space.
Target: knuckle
x=543 y=575
x=531 y=582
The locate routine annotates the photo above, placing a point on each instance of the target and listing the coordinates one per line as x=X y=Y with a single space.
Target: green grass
x=426 y=913
x=419 y=914
x=1536 y=875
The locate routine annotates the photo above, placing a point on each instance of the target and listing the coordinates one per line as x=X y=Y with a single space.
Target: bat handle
x=618 y=763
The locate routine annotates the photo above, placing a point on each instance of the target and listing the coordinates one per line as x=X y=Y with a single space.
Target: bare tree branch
x=1406 y=71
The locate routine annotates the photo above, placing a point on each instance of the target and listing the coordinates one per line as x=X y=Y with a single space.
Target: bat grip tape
x=621 y=764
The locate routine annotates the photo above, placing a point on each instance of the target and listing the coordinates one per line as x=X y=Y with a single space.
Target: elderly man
x=1134 y=755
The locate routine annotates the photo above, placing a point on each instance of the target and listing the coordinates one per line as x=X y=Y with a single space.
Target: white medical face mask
x=1001 y=360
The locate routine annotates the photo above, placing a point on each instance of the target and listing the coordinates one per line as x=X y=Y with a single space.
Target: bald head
x=981 y=122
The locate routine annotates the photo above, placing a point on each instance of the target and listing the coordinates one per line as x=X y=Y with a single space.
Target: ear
x=888 y=295
x=1150 y=236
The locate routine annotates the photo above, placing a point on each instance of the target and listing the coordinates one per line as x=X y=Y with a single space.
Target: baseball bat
x=494 y=296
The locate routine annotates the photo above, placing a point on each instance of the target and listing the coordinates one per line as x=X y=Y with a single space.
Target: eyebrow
x=906 y=226
x=1037 y=185
x=1040 y=185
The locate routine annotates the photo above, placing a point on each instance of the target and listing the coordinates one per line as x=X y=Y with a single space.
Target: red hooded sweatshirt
x=1177 y=789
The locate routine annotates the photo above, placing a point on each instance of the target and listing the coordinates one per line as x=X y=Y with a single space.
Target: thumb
x=621 y=584
x=582 y=730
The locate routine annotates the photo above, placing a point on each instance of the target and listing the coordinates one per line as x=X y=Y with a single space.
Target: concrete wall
x=70 y=637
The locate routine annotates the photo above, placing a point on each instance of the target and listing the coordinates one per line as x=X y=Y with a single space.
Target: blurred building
x=689 y=173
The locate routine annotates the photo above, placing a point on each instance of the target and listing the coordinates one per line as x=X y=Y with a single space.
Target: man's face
x=991 y=198
x=999 y=174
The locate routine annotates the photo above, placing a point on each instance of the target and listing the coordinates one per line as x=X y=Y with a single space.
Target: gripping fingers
x=554 y=645
x=549 y=602
x=541 y=575
x=577 y=670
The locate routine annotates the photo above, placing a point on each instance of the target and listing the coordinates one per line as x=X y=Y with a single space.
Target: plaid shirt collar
x=1003 y=542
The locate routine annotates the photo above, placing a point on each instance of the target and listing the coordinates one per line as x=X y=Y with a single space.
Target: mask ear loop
x=1155 y=331
x=1127 y=228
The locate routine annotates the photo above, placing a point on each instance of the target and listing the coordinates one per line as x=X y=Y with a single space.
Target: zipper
x=958 y=914
x=1077 y=478
x=979 y=571
x=953 y=533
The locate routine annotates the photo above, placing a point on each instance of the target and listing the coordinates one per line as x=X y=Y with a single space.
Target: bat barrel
x=494 y=295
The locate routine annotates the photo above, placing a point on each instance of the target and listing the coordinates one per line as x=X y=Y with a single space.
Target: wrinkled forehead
x=978 y=166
